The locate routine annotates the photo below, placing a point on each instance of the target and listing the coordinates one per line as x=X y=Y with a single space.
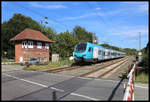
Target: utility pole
x=93 y=39
x=140 y=53
x=139 y=41
x=46 y=22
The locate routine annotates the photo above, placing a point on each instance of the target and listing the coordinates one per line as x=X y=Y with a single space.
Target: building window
x=46 y=46
x=45 y=59
x=30 y=44
x=24 y=44
x=39 y=45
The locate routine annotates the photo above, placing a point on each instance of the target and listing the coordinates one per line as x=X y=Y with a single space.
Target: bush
x=143 y=78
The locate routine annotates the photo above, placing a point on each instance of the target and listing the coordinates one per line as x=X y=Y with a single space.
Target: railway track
x=101 y=67
x=65 y=68
x=101 y=72
x=104 y=74
x=85 y=71
x=76 y=67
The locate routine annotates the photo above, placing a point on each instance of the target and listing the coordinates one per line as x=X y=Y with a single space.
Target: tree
x=13 y=27
x=64 y=44
x=145 y=58
x=82 y=35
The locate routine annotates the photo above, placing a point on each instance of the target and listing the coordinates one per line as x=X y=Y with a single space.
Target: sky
x=117 y=23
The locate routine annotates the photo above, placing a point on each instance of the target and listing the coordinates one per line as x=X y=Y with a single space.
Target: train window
x=81 y=47
x=99 y=52
x=104 y=53
x=90 y=49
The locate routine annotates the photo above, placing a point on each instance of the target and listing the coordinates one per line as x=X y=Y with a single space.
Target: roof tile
x=32 y=35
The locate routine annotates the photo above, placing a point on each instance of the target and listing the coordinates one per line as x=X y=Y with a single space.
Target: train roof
x=103 y=47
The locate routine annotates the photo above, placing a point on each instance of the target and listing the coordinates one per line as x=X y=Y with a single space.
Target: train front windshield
x=81 y=47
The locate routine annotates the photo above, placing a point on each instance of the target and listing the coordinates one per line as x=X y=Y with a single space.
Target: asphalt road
x=32 y=85
x=6 y=68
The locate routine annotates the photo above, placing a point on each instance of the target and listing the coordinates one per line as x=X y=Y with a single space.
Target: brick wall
x=30 y=52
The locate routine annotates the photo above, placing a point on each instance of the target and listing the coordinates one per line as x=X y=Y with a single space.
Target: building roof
x=31 y=35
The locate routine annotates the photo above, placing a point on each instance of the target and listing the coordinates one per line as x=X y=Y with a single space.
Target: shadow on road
x=115 y=89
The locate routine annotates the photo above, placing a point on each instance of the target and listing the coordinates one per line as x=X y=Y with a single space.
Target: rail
x=68 y=68
x=103 y=67
x=129 y=91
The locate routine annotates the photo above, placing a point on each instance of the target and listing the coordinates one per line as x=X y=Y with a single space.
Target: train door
x=112 y=54
x=106 y=54
x=90 y=53
x=103 y=54
x=95 y=53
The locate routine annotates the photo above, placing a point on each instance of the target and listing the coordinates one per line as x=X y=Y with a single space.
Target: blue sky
x=115 y=23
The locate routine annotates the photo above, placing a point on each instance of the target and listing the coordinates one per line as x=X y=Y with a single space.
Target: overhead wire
x=37 y=13
x=101 y=18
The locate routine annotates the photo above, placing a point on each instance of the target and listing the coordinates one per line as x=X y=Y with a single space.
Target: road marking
x=141 y=87
x=26 y=80
x=84 y=96
x=57 y=89
x=108 y=80
x=75 y=94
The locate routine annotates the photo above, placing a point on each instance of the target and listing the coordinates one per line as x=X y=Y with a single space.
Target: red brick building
x=31 y=44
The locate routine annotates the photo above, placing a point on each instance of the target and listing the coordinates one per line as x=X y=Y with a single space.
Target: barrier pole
x=129 y=92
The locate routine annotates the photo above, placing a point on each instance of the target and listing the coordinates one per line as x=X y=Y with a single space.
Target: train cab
x=83 y=52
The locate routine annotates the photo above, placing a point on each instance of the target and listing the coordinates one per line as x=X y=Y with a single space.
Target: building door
x=21 y=59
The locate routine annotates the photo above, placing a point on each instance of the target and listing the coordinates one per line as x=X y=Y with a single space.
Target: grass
x=6 y=60
x=50 y=65
x=16 y=64
x=142 y=78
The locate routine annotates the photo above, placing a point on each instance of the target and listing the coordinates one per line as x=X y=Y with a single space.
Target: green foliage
x=142 y=78
x=82 y=35
x=64 y=44
x=111 y=47
x=51 y=65
x=13 y=27
x=145 y=58
x=6 y=60
x=128 y=51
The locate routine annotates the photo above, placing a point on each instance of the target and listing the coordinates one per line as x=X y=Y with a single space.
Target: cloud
x=4 y=4
x=130 y=32
x=98 y=8
x=141 y=7
x=84 y=16
x=47 y=6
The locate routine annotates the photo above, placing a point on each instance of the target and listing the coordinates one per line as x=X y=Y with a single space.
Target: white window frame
x=39 y=45
x=24 y=44
x=46 y=46
x=30 y=44
x=45 y=59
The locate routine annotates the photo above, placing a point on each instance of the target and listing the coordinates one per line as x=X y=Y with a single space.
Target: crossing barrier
x=129 y=90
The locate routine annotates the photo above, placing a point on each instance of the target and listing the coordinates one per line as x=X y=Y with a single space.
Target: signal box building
x=31 y=44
